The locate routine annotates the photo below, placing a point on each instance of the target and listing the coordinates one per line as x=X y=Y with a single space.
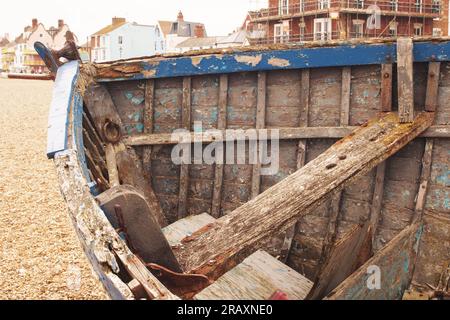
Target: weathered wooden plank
x=424 y=180
x=214 y=251
x=111 y=162
x=221 y=125
x=344 y=258
x=396 y=265
x=258 y=278
x=186 y=124
x=345 y=96
x=405 y=79
x=386 y=87
x=260 y=124
x=431 y=100
x=148 y=123
x=301 y=155
x=377 y=199
x=186 y=227
x=254 y=60
x=285 y=134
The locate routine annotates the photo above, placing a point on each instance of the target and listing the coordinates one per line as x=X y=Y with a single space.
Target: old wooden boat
x=358 y=207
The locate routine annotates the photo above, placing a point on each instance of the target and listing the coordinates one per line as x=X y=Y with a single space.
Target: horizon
x=220 y=18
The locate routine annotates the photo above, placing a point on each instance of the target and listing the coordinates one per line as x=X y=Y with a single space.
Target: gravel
x=40 y=255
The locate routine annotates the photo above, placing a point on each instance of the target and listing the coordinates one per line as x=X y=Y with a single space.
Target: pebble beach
x=40 y=255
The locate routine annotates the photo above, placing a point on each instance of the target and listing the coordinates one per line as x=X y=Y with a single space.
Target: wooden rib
x=90 y=145
x=405 y=79
x=345 y=96
x=431 y=100
x=93 y=134
x=424 y=180
x=221 y=125
x=442 y=131
x=222 y=245
x=111 y=162
x=301 y=157
x=334 y=208
x=378 y=191
x=260 y=124
x=386 y=87
x=148 y=124
x=184 y=170
x=96 y=171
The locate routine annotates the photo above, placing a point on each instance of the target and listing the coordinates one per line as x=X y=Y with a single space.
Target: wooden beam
x=301 y=156
x=148 y=123
x=345 y=95
x=260 y=124
x=111 y=162
x=434 y=72
x=221 y=125
x=221 y=246
x=424 y=180
x=405 y=79
x=377 y=200
x=386 y=87
x=184 y=170
x=442 y=131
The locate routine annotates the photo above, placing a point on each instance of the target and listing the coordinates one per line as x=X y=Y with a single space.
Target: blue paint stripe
x=344 y=55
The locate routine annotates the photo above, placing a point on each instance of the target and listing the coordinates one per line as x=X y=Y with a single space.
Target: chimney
x=199 y=31
x=117 y=20
x=34 y=23
x=180 y=17
x=60 y=24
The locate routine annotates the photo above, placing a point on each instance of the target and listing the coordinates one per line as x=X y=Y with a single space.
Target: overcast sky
x=87 y=16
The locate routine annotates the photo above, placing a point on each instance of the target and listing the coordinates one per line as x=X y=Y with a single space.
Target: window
x=283 y=7
x=418 y=29
x=281 y=32
x=358 y=29
x=393 y=29
x=322 y=29
x=394 y=5
x=324 y=4
x=359 y=4
x=120 y=40
x=302 y=28
x=418 y=5
x=436 y=6
x=437 y=32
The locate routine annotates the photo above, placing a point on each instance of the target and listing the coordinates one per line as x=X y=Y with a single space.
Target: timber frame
x=84 y=169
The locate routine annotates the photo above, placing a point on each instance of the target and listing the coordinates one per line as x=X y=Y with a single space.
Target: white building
x=175 y=32
x=236 y=39
x=124 y=40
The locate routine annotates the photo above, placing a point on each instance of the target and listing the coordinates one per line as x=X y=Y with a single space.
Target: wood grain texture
x=344 y=258
x=424 y=180
x=405 y=79
x=221 y=125
x=431 y=100
x=186 y=227
x=396 y=262
x=184 y=171
x=260 y=124
x=386 y=87
x=258 y=278
x=215 y=251
x=111 y=162
x=345 y=95
x=149 y=109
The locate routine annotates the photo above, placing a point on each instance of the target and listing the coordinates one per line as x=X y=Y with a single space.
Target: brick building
x=316 y=20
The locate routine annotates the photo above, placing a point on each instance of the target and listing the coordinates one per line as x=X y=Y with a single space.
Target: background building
x=124 y=40
x=236 y=39
x=175 y=32
x=319 y=20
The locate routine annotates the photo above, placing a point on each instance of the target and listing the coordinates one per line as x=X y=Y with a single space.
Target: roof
x=180 y=28
x=3 y=42
x=110 y=28
x=236 y=37
x=199 y=42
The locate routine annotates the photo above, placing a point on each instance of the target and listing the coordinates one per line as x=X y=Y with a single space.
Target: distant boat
x=30 y=76
x=359 y=208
